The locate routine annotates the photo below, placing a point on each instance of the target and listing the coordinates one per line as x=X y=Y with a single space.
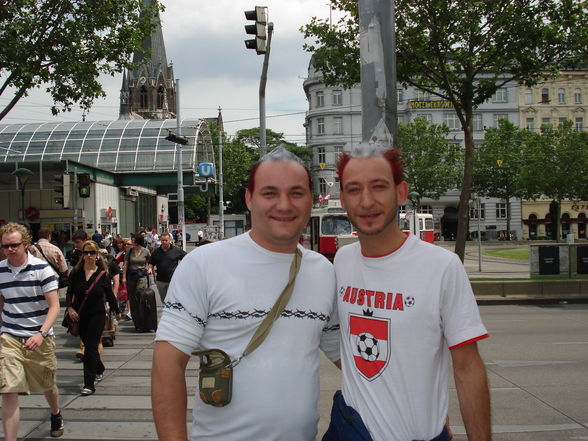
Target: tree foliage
x=431 y=163
x=498 y=164
x=555 y=164
x=461 y=51
x=65 y=45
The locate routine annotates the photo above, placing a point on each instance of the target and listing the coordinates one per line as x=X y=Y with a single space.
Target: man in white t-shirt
x=406 y=309
x=217 y=298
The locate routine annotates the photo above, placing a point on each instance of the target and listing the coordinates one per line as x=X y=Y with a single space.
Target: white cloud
x=205 y=42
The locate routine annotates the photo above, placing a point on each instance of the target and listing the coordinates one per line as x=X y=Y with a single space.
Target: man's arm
x=168 y=392
x=36 y=340
x=472 y=391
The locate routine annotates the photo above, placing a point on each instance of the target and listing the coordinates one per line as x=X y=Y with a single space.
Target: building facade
x=333 y=124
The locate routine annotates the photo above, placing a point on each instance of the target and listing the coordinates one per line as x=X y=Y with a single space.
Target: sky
x=205 y=43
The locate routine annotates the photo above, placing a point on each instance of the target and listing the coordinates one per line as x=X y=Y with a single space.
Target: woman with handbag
x=136 y=275
x=89 y=288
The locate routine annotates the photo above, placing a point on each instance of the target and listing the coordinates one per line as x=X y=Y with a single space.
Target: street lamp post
x=414 y=197
x=478 y=205
x=23 y=175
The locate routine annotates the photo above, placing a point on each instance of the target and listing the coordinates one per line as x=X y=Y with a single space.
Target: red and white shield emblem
x=370 y=343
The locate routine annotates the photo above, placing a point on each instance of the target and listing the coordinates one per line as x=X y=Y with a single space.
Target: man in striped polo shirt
x=30 y=306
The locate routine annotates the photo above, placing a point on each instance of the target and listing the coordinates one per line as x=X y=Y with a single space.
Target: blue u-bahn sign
x=206 y=170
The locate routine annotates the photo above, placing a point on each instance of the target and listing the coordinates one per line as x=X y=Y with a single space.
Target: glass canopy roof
x=117 y=146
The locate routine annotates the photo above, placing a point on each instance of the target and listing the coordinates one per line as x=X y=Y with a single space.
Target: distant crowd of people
x=103 y=276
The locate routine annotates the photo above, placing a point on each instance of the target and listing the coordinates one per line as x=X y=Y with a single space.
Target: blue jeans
x=347 y=425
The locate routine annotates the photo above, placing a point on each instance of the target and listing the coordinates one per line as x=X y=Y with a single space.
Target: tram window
x=336 y=225
x=429 y=224
x=405 y=224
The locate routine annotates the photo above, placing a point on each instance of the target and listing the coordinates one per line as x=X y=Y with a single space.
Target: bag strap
x=98 y=277
x=37 y=246
x=266 y=325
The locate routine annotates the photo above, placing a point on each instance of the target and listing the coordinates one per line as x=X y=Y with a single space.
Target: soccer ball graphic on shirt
x=367 y=346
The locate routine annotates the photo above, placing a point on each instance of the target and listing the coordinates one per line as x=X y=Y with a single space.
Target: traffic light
x=84 y=185
x=63 y=190
x=259 y=43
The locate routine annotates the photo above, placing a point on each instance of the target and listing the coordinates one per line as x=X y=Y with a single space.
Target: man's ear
x=248 y=199
x=401 y=193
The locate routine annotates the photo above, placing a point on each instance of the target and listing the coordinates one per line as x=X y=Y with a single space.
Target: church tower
x=148 y=92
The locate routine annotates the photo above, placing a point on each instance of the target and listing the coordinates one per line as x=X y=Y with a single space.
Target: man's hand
x=33 y=343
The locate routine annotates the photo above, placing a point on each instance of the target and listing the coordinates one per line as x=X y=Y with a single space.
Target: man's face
x=14 y=248
x=370 y=196
x=280 y=205
x=165 y=242
x=78 y=244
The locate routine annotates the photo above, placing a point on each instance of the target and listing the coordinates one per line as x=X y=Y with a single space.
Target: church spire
x=150 y=87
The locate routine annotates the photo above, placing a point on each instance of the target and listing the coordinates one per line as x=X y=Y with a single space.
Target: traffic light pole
x=262 y=83
x=221 y=203
x=181 y=215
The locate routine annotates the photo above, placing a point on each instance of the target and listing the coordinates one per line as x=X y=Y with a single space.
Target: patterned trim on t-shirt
x=331 y=328
x=259 y=313
x=179 y=307
x=256 y=313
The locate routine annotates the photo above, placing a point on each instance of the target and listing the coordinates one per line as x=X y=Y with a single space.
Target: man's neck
x=381 y=244
x=16 y=262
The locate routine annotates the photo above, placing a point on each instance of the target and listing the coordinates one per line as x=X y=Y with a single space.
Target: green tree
x=498 y=164
x=431 y=162
x=250 y=138
x=555 y=165
x=461 y=51
x=65 y=45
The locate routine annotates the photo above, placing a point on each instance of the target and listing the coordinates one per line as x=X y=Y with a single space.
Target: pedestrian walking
x=220 y=296
x=51 y=254
x=407 y=309
x=30 y=306
x=90 y=287
x=164 y=261
x=136 y=275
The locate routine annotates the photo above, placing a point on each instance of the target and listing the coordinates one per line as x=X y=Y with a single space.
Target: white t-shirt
x=400 y=315
x=217 y=298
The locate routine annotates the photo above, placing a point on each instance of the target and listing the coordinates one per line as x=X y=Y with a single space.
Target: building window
x=321 y=155
x=427 y=116
x=500 y=96
x=320 y=99
x=400 y=94
x=338 y=125
x=160 y=97
x=421 y=95
x=320 y=126
x=498 y=117
x=322 y=186
x=544 y=96
x=337 y=98
x=474 y=211
x=426 y=209
x=529 y=96
x=561 y=96
x=451 y=120
x=579 y=124
x=143 y=102
x=562 y=122
x=578 y=96
x=477 y=122
x=501 y=211
x=531 y=124
x=545 y=122
x=337 y=150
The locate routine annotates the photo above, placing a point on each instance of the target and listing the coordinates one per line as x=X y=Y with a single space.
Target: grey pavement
x=537 y=360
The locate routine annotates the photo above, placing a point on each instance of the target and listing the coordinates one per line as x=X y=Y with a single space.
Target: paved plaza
x=537 y=360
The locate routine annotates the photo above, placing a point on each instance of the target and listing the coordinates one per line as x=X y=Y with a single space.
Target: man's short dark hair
x=79 y=235
x=44 y=233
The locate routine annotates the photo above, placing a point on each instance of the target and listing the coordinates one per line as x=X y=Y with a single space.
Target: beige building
x=537 y=222
x=562 y=98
